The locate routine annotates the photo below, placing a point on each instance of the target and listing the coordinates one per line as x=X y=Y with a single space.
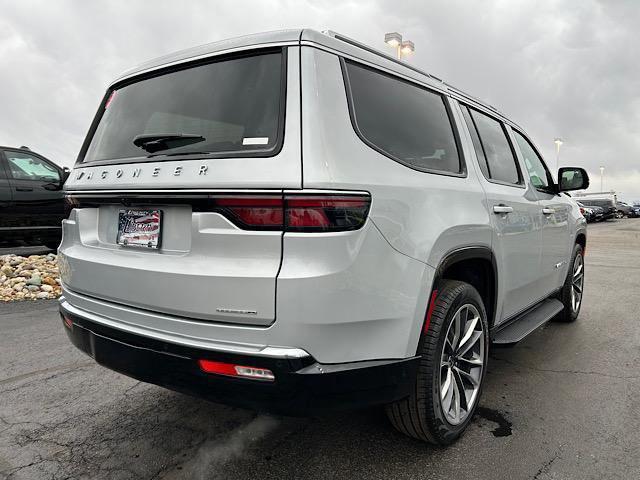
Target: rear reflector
x=67 y=322
x=295 y=213
x=232 y=370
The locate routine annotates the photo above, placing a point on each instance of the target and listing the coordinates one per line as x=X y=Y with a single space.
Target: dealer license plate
x=140 y=228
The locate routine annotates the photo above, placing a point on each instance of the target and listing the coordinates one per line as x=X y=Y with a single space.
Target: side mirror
x=572 y=178
x=66 y=171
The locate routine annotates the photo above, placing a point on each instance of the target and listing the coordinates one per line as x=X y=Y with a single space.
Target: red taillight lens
x=252 y=212
x=325 y=213
x=232 y=370
x=582 y=210
x=296 y=212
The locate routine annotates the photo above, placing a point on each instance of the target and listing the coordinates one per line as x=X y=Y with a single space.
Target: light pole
x=558 y=142
x=601 y=179
x=405 y=48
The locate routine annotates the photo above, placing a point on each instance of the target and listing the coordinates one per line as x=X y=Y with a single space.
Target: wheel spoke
x=473 y=361
x=578 y=288
x=469 y=329
x=456 y=401
x=473 y=339
x=464 y=401
x=445 y=389
x=456 y=331
x=466 y=375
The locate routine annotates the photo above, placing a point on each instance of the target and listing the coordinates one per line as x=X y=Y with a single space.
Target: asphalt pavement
x=562 y=404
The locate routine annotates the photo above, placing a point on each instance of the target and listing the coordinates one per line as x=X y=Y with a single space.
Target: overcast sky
x=568 y=69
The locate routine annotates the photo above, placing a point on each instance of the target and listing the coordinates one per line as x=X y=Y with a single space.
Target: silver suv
x=294 y=222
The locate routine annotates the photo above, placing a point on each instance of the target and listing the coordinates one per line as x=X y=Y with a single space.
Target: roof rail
x=356 y=43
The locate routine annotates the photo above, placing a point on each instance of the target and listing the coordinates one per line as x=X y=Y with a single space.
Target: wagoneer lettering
x=293 y=222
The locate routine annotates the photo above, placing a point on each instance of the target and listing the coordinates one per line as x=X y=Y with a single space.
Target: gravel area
x=29 y=278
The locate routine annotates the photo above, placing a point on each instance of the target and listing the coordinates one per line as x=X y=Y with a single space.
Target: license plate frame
x=140 y=227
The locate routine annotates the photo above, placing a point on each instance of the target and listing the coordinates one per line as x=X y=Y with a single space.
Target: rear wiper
x=164 y=141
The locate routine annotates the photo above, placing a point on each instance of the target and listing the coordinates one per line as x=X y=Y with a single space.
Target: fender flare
x=474 y=252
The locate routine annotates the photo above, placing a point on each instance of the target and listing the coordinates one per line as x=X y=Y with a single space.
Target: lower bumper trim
x=302 y=386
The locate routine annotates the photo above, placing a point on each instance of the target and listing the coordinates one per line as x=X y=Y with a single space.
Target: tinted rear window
x=236 y=105
x=402 y=120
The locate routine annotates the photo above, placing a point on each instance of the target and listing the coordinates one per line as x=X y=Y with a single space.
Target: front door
x=38 y=200
x=554 y=216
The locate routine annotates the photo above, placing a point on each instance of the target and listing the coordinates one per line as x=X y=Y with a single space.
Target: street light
x=394 y=39
x=601 y=179
x=558 y=142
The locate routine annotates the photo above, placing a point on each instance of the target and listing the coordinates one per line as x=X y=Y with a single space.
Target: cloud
x=558 y=68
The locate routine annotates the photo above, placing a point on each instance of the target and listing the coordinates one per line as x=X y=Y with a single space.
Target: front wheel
x=449 y=382
x=572 y=290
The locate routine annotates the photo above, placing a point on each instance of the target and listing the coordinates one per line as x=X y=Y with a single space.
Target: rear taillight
x=252 y=212
x=582 y=210
x=295 y=212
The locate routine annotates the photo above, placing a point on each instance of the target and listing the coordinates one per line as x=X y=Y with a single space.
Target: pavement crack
x=58 y=368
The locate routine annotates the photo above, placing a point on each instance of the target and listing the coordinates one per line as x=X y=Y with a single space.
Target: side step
x=526 y=323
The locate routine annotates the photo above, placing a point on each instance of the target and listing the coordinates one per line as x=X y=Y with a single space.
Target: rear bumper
x=302 y=386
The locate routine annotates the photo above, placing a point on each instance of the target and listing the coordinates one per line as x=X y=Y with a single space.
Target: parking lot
x=563 y=404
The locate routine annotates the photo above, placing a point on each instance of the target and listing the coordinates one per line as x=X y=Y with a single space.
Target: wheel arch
x=475 y=265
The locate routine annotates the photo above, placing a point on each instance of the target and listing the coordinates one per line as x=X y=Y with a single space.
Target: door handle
x=24 y=189
x=502 y=209
x=548 y=211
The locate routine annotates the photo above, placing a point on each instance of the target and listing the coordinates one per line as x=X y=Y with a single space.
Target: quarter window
x=496 y=148
x=538 y=173
x=404 y=121
x=477 y=145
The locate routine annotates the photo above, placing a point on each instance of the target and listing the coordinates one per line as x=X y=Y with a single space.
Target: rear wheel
x=571 y=293
x=454 y=356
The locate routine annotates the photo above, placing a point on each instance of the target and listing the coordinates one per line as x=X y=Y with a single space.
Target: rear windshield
x=232 y=107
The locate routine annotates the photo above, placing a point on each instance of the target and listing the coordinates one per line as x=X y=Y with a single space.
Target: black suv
x=31 y=198
x=607 y=205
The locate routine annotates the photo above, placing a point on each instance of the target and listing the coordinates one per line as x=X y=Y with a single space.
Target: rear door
x=517 y=236
x=555 y=209
x=5 y=196
x=38 y=200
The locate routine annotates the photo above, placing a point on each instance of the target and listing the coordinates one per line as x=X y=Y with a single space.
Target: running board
x=526 y=323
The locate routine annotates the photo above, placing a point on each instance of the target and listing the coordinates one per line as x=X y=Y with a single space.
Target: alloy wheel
x=462 y=364
x=577 y=283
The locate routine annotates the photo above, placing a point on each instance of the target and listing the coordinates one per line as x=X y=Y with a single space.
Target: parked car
x=624 y=210
x=589 y=213
x=608 y=206
x=295 y=222
x=599 y=213
x=31 y=198
x=635 y=211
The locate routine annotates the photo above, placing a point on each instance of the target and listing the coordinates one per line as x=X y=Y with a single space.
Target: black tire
x=570 y=314
x=421 y=414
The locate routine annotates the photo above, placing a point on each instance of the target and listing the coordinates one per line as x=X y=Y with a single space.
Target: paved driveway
x=563 y=404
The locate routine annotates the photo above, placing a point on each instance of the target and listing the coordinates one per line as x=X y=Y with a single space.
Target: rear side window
x=496 y=149
x=229 y=107
x=401 y=120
